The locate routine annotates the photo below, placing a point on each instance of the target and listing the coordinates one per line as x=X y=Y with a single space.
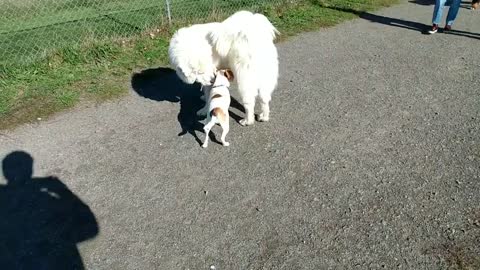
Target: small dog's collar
x=221 y=85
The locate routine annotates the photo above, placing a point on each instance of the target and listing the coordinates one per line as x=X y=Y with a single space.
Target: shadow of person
x=416 y=26
x=464 y=4
x=423 y=2
x=163 y=84
x=41 y=220
x=463 y=34
x=423 y=28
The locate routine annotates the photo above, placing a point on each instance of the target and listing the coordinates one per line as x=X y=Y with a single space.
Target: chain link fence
x=31 y=29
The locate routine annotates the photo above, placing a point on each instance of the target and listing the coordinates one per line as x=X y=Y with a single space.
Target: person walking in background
x=437 y=14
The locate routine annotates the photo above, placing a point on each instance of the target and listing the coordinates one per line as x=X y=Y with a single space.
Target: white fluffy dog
x=242 y=43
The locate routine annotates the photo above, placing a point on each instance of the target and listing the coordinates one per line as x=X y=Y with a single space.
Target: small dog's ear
x=229 y=74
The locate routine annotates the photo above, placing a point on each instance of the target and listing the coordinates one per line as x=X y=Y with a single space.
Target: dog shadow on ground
x=41 y=220
x=163 y=84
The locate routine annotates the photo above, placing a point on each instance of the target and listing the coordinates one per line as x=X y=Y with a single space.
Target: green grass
x=30 y=31
x=99 y=67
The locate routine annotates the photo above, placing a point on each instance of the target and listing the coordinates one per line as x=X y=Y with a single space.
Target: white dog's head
x=191 y=55
x=196 y=71
x=196 y=68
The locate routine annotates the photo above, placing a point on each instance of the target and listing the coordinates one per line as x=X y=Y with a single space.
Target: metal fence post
x=169 y=14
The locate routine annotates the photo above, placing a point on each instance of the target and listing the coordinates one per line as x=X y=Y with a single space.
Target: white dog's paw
x=204 y=145
x=226 y=144
x=245 y=122
x=263 y=118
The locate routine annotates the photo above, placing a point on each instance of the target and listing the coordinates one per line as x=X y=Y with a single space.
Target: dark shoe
x=475 y=5
x=447 y=28
x=434 y=29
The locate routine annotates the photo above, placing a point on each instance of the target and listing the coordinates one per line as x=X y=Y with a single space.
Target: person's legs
x=437 y=11
x=437 y=15
x=453 y=11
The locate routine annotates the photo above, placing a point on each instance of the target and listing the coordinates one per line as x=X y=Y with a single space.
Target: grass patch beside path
x=101 y=70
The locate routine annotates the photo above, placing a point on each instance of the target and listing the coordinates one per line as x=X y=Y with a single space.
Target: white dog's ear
x=229 y=74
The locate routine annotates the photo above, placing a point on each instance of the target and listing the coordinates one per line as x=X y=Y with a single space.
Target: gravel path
x=371 y=160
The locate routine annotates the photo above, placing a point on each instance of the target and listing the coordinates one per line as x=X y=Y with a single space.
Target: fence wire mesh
x=30 y=29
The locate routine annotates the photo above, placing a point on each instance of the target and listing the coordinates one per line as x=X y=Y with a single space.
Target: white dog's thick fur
x=242 y=43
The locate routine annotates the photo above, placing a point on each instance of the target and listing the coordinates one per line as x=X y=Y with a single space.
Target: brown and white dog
x=218 y=103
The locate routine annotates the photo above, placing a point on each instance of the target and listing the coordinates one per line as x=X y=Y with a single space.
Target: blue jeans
x=452 y=11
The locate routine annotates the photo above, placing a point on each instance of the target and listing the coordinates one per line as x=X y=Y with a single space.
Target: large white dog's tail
x=245 y=31
x=263 y=26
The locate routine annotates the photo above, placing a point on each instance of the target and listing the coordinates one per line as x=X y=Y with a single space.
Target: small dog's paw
x=204 y=145
x=226 y=144
x=263 y=118
x=244 y=122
